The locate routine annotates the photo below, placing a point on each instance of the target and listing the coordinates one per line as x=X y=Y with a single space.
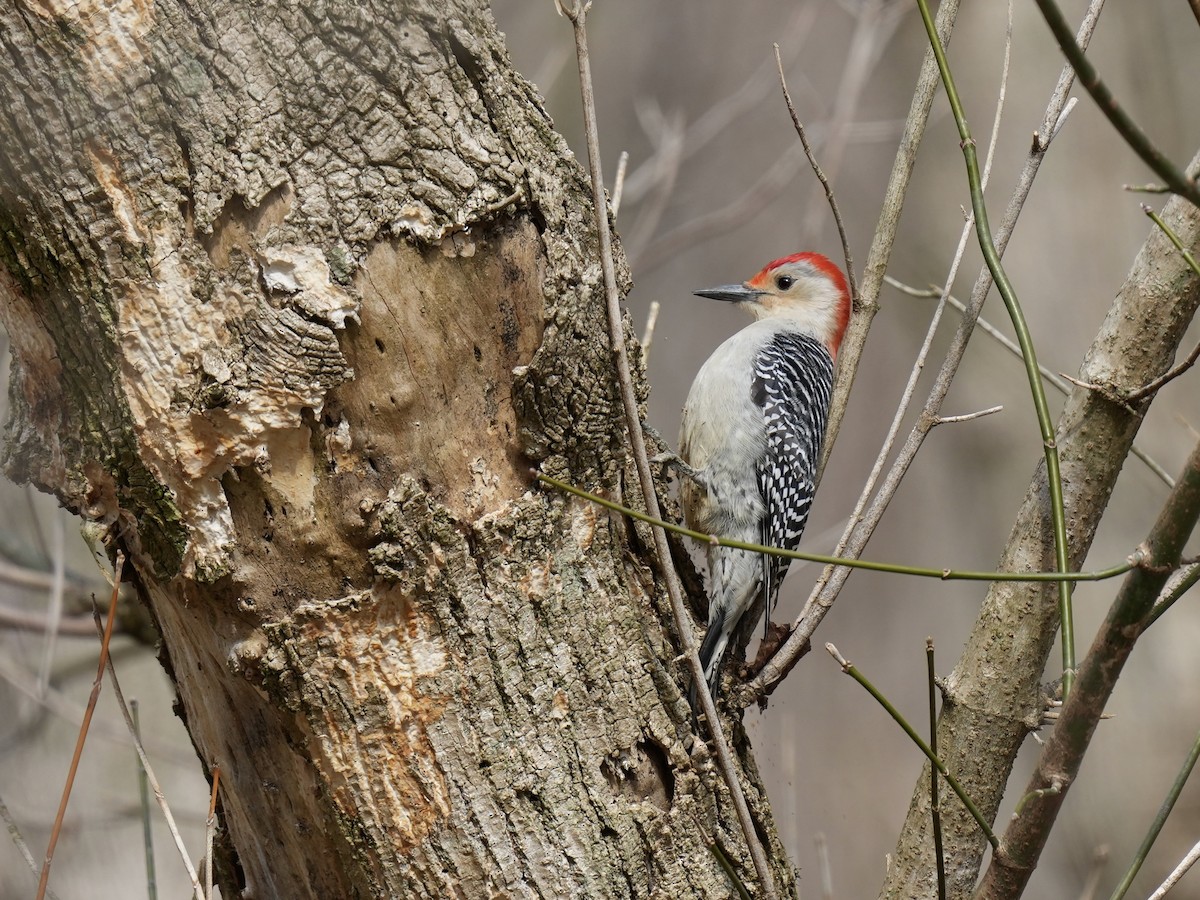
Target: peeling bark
x=297 y=295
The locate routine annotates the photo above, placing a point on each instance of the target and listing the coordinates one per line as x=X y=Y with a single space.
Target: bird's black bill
x=733 y=293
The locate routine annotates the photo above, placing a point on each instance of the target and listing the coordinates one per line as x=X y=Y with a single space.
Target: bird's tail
x=712 y=649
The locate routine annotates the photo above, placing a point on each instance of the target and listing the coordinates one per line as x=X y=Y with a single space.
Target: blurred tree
x=297 y=295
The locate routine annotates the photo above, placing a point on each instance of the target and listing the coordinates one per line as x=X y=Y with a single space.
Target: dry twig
x=105 y=637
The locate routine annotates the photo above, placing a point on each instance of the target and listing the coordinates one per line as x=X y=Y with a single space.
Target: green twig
x=1137 y=140
x=725 y=863
x=883 y=701
x=935 y=808
x=1046 y=426
x=942 y=574
x=1159 y=820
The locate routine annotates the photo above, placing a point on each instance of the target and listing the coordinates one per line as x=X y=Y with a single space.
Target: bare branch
x=1186 y=863
x=1177 y=180
x=619 y=183
x=816 y=167
x=875 y=22
x=946 y=420
x=648 y=334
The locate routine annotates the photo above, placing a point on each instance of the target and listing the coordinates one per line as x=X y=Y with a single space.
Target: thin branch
x=160 y=798
x=619 y=183
x=1132 y=562
x=990 y=156
x=719 y=116
x=824 y=868
x=18 y=840
x=1195 y=5
x=54 y=609
x=106 y=636
x=723 y=220
x=57 y=703
x=577 y=13
x=1177 y=180
x=144 y=806
x=27 y=620
x=899 y=719
x=648 y=334
x=1052 y=378
x=829 y=196
x=901 y=410
x=210 y=830
x=667 y=136
x=1186 y=863
x=1095 y=870
x=1176 y=588
x=968 y=417
x=24 y=577
x=1063 y=752
x=918 y=366
x=885 y=236
x=782 y=171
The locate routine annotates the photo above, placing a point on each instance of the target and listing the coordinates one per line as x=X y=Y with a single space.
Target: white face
x=801 y=292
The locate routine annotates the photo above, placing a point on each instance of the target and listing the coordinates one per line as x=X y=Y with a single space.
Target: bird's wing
x=792 y=385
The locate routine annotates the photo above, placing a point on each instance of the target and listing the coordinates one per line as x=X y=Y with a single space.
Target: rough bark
x=297 y=294
x=994 y=698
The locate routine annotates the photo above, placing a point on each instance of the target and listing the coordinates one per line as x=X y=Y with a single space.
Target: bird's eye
x=783 y=282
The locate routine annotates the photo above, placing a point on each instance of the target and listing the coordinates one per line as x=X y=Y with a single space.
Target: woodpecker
x=752 y=431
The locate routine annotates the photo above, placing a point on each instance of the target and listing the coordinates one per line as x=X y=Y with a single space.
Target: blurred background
x=717 y=187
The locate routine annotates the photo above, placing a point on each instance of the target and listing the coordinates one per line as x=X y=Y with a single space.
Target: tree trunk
x=297 y=295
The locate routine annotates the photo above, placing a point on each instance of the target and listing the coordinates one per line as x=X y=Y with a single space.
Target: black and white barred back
x=793 y=378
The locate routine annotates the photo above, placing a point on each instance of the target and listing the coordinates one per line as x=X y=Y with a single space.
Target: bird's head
x=804 y=287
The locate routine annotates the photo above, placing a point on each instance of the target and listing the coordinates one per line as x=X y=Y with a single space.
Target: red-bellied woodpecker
x=752 y=431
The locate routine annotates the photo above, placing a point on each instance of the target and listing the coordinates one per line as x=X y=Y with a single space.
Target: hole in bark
x=379 y=345
x=662 y=767
x=478 y=354
x=539 y=220
x=642 y=774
